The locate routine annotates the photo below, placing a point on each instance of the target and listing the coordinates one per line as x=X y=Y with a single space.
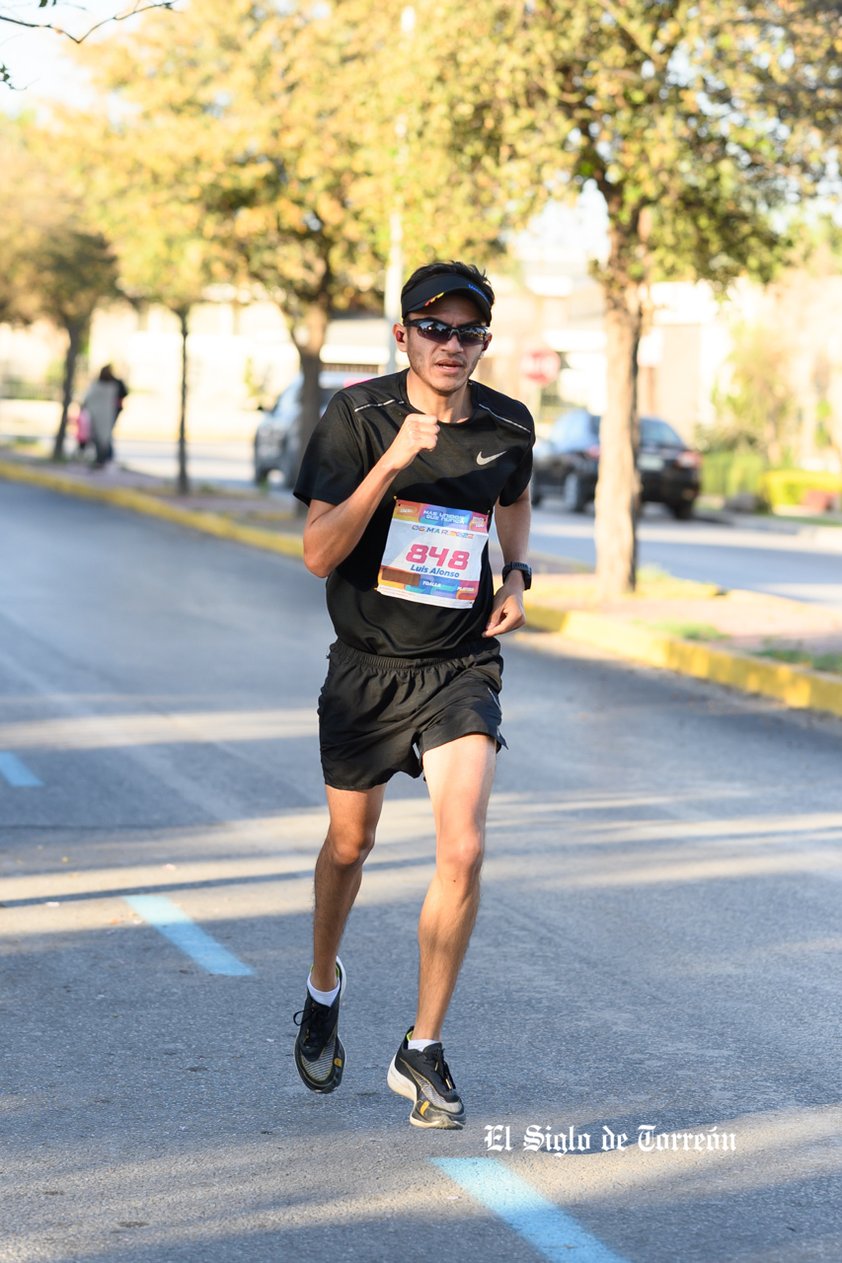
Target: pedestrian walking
x=103 y=403
x=108 y=374
x=402 y=477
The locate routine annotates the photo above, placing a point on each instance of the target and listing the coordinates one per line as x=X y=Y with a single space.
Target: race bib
x=433 y=555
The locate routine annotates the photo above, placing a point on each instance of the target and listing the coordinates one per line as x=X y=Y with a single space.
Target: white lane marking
x=15 y=772
x=540 y=1222
x=171 y=921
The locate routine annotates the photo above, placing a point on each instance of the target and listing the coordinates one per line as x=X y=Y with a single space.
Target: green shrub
x=732 y=473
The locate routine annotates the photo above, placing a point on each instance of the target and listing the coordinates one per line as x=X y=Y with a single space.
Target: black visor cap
x=433 y=287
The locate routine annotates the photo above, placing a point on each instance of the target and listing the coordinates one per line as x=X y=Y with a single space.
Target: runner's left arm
x=513 y=521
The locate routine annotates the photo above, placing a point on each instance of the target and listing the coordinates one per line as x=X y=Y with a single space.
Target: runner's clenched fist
x=419 y=433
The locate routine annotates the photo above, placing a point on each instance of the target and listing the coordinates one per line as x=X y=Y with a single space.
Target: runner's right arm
x=332 y=531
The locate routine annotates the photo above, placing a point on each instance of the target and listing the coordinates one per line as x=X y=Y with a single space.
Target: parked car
x=277 y=437
x=567 y=464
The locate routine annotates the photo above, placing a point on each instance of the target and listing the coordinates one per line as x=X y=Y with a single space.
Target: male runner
x=401 y=477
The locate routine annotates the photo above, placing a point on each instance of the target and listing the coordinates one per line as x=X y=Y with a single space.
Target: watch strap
x=524 y=569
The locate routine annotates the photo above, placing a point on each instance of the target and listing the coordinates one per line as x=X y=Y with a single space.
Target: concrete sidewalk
x=756 y=643
x=826 y=532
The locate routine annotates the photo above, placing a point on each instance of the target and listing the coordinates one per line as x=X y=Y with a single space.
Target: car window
x=585 y=430
x=287 y=406
x=289 y=403
x=575 y=429
x=657 y=433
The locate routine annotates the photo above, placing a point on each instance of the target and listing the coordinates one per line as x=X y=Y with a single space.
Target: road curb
x=140 y=502
x=796 y=687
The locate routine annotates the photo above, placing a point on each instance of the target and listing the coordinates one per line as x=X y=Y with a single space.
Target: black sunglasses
x=438 y=331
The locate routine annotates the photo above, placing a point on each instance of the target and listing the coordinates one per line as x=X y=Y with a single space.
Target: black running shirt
x=473 y=465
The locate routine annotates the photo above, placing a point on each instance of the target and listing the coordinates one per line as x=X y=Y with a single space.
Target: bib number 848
x=421 y=554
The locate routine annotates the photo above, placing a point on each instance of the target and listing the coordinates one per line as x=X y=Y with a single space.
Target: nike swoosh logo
x=486 y=460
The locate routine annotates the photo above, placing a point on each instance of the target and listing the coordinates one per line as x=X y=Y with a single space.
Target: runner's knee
x=459 y=860
x=349 y=847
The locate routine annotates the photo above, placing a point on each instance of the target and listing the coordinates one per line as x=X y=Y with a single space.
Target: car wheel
x=537 y=492
x=682 y=510
x=261 y=475
x=573 y=495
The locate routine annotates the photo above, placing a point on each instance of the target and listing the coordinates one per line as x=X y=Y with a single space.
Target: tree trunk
x=774 y=454
x=310 y=355
x=75 y=337
x=183 y=482
x=618 y=487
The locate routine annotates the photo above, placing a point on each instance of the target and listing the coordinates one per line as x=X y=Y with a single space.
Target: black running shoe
x=319 y=1055
x=424 y=1079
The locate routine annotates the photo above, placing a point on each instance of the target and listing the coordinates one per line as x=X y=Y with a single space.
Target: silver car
x=277 y=439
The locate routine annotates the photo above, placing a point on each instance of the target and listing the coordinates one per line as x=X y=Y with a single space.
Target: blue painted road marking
x=538 y=1221
x=16 y=773
x=175 y=925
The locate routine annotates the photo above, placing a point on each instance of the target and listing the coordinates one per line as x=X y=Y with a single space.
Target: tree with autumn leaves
x=294 y=131
x=57 y=264
x=279 y=127
x=700 y=126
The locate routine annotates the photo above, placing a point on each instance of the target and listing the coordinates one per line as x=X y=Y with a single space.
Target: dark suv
x=567 y=464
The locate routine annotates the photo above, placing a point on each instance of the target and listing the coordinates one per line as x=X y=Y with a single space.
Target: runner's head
x=444 y=331
x=435 y=280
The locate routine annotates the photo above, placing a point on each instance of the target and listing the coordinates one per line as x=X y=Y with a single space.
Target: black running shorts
x=378 y=716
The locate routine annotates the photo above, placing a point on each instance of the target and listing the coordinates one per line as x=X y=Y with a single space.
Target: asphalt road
x=658 y=945
x=732 y=557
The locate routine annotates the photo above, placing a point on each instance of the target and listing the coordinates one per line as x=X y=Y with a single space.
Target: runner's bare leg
x=459 y=778
x=339 y=869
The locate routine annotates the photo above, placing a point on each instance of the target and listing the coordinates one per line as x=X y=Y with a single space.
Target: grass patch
x=691 y=631
x=798 y=656
x=809 y=519
x=21 y=442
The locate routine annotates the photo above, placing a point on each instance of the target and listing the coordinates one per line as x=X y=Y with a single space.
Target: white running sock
x=418 y=1045
x=323 y=997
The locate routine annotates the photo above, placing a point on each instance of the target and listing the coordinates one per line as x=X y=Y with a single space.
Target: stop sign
x=540 y=365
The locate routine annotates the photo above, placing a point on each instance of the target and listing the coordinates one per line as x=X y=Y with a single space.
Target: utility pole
x=394 y=268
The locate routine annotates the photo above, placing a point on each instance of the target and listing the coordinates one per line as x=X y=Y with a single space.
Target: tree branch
x=633 y=40
x=79 y=39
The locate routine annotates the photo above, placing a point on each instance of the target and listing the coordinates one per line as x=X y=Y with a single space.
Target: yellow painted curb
x=794 y=686
x=797 y=687
x=140 y=502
